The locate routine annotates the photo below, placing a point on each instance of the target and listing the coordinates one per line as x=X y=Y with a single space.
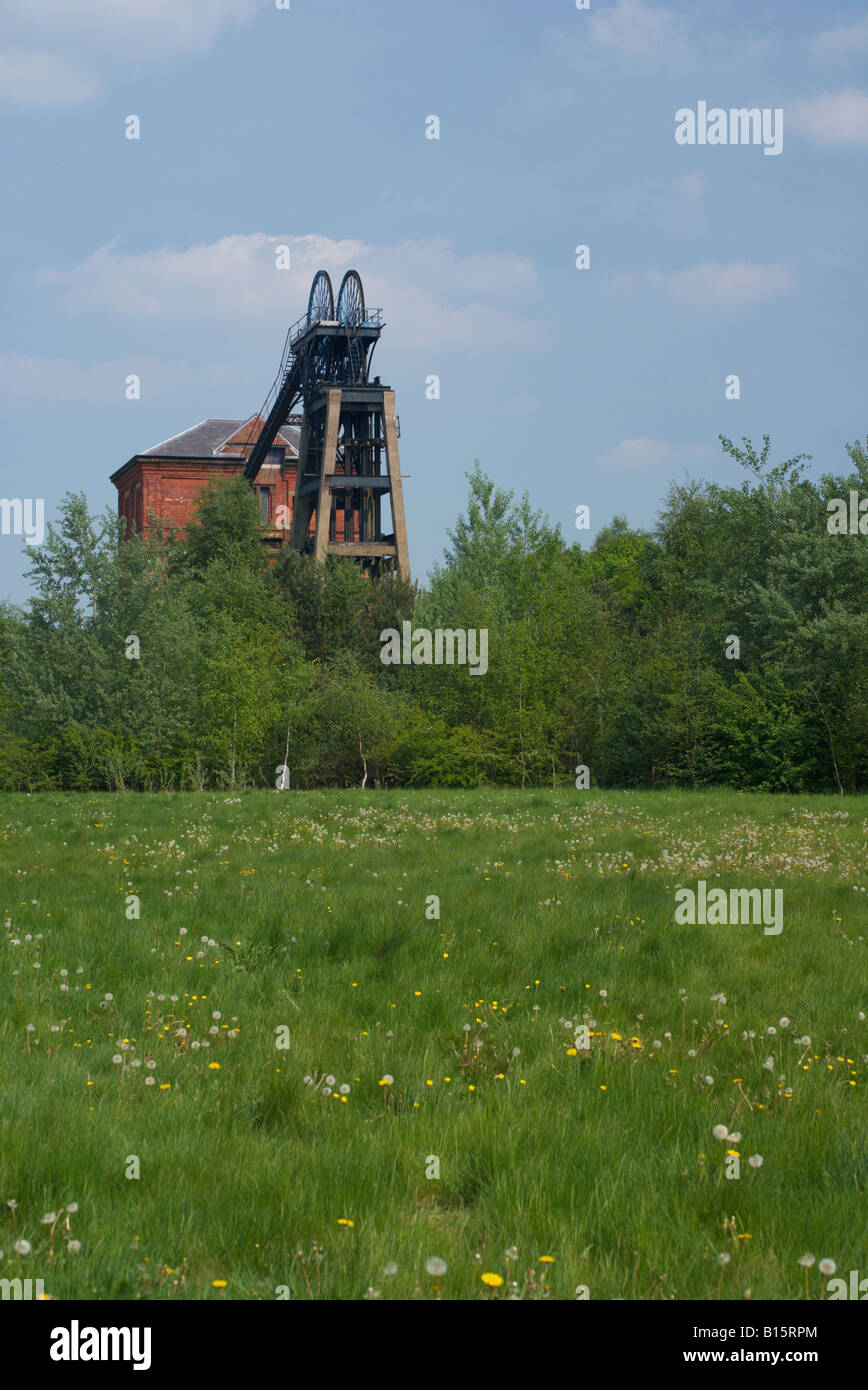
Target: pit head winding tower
x=348 y=466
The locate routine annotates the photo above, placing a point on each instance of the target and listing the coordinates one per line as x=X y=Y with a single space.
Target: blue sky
x=306 y=127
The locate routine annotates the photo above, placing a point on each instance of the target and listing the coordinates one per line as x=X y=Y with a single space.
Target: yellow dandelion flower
x=213 y=1066
x=342 y=1221
x=493 y=1281
x=218 y=1283
x=546 y=1259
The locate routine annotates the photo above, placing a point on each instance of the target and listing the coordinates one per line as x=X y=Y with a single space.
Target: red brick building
x=168 y=478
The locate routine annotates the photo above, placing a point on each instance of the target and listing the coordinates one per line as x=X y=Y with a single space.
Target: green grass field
x=302 y=916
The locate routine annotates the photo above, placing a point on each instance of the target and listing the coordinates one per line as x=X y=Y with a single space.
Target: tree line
x=618 y=657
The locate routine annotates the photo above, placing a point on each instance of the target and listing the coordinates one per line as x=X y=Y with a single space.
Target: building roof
x=203 y=443
x=206 y=438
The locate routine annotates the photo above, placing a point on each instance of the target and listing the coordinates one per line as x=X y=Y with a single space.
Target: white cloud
x=630 y=455
x=38 y=79
x=676 y=205
x=626 y=281
x=430 y=295
x=58 y=50
x=132 y=26
x=646 y=36
x=635 y=28
x=25 y=380
x=689 y=186
x=843 y=41
x=835 y=118
x=713 y=285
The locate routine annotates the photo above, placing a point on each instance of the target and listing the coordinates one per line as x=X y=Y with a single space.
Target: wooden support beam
x=393 y=464
x=329 y=455
x=356 y=548
x=301 y=511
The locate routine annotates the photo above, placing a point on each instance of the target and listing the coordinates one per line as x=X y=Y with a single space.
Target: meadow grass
x=311 y=913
